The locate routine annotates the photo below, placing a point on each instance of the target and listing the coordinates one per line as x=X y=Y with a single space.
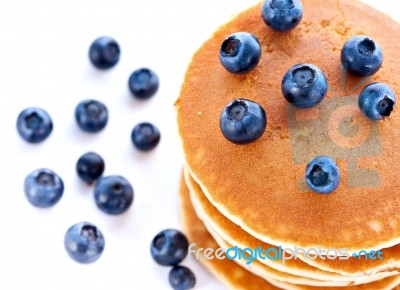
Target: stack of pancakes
x=253 y=195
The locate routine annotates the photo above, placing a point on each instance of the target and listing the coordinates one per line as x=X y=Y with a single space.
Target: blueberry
x=143 y=83
x=243 y=121
x=322 y=175
x=43 y=188
x=113 y=194
x=84 y=242
x=181 y=278
x=91 y=116
x=145 y=136
x=90 y=167
x=169 y=247
x=377 y=101
x=34 y=125
x=240 y=52
x=282 y=15
x=361 y=56
x=304 y=85
x=104 y=52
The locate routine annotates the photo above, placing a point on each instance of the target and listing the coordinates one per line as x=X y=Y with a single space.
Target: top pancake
x=259 y=186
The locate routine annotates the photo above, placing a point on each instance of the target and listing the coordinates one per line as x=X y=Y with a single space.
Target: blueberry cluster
x=113 y=194
x=303 y=86
x=168 y=248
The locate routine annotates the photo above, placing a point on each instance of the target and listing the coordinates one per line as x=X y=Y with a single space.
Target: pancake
x=349 y=270
x=235 y=276
x=264 y=271
x=227 y=271
x=259 y=186
x=232 y=233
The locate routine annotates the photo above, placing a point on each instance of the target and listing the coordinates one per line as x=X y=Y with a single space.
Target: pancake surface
x=258 y=186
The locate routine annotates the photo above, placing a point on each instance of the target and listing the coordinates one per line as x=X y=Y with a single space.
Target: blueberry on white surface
x=181 y=278
x=143 y=83
x=145 y=136
x=43 y=188
x=104 y=52
x=34 y=125
x=169 y=247
x=91 y=116
x=113 y=194
x=84 y=242
x=90 y=167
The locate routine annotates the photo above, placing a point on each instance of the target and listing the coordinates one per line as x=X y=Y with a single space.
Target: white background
x=44 y=63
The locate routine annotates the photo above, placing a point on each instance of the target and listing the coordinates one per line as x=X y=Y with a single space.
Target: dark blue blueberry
x=361 y=56
x=34 y=125
x=145 y=136
x=282 y=15
x=240 y=53
x=91 y=115
x=169 y=247
x=304 y=85
x=113 y=194
x=43 y=188
x=90 y=167
x=322 y=175
x=84 y=242
x=104 y=52
x=377 y=101
x=243 y=121
x=143 y=83
x=181 y=278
